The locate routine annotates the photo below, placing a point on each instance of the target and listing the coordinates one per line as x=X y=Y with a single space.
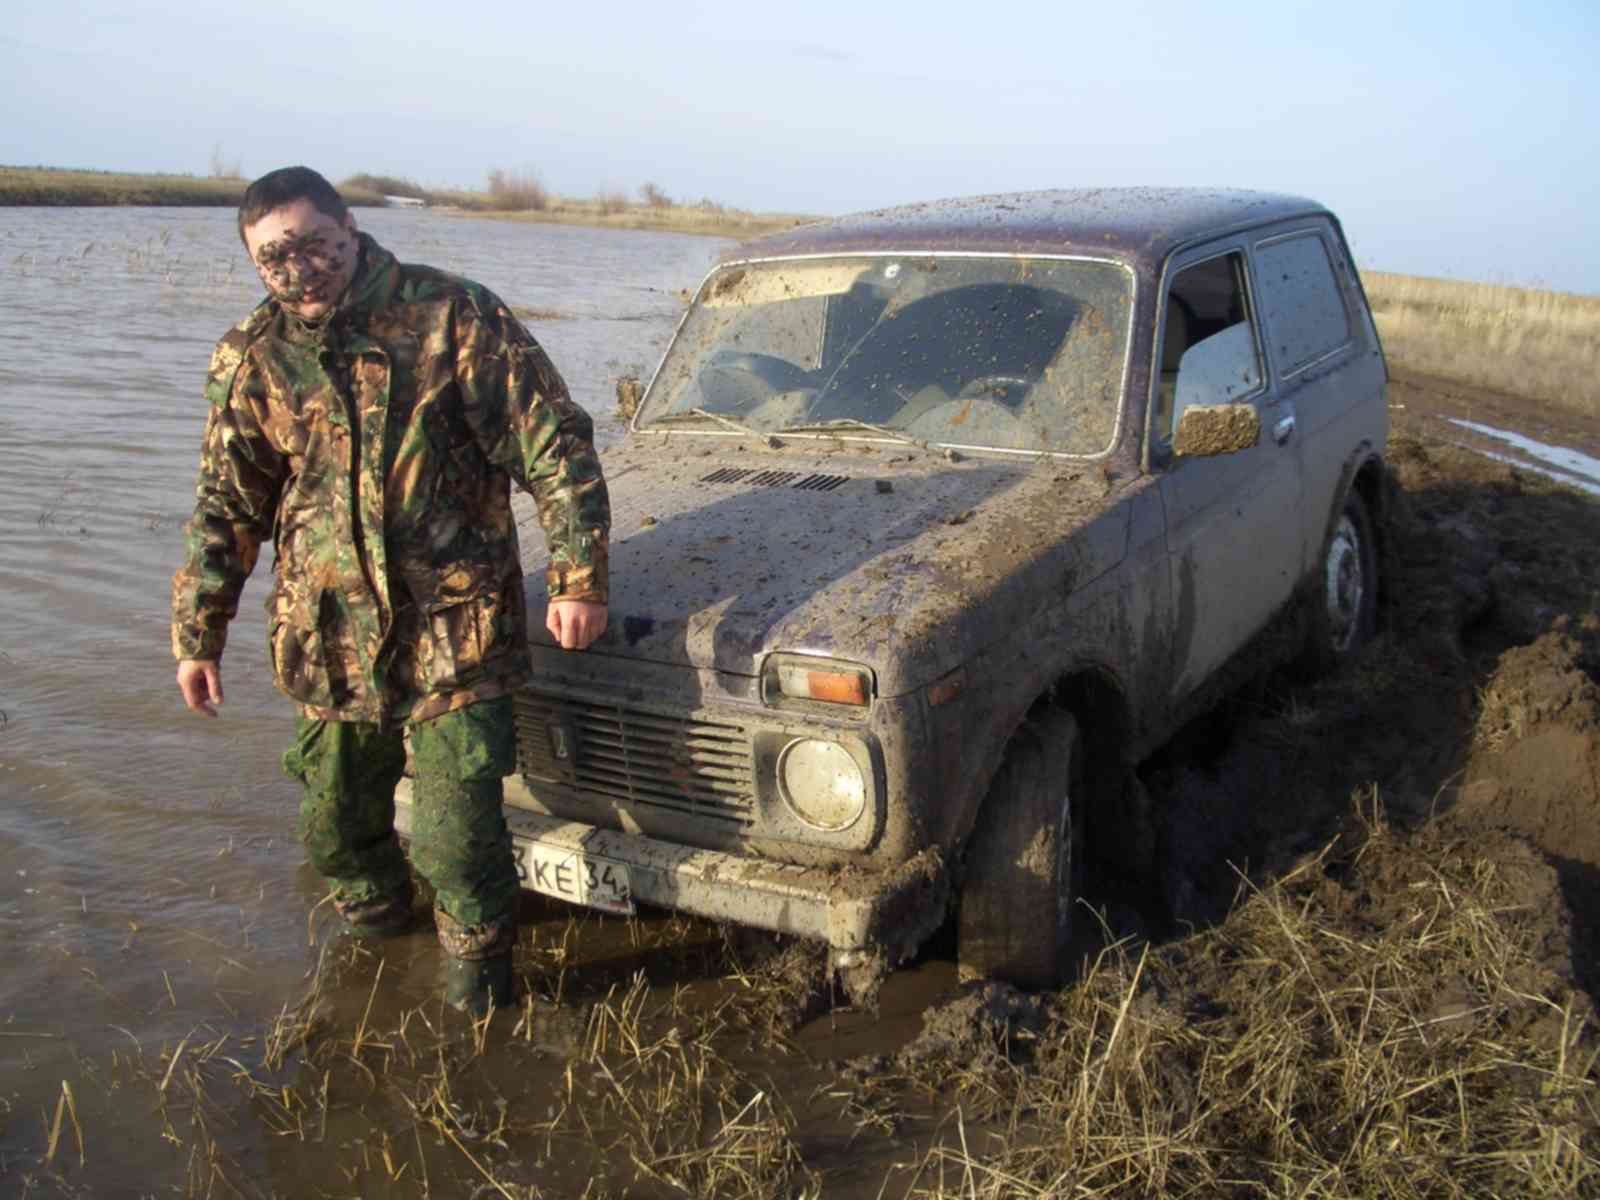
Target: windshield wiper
x=705 y=414
x=843 y=423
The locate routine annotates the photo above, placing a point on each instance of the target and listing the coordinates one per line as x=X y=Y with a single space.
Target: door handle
x=1283 y=430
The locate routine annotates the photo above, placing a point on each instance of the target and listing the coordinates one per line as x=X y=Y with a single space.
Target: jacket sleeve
x=518 y=408
x=236 y=497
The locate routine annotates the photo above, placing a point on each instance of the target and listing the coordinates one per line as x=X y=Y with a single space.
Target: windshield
x=1004 y=353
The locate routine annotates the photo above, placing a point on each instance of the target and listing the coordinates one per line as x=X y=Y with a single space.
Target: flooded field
x=1372 y=970
x=150 y=888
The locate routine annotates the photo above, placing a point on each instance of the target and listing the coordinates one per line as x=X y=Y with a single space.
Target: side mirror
x=629 y=392
x=1214 y=376
x=1205 y=430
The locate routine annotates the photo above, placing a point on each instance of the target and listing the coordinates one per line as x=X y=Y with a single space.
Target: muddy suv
x=933 y=522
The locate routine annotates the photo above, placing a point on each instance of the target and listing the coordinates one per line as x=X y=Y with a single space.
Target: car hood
x=888 y=556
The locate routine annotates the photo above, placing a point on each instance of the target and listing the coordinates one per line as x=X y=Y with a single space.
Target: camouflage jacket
x=377 y=450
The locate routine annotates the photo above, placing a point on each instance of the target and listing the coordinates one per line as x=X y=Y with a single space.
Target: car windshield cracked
x=979 y=352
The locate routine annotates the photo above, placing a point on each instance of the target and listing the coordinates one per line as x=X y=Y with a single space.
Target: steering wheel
x=994 y=387
x=738 y=380
x=974 y=420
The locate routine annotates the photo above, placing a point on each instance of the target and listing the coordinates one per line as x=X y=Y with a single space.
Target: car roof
x=1142 y=225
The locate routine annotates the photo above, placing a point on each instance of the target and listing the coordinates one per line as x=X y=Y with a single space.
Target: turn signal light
x=799 y=678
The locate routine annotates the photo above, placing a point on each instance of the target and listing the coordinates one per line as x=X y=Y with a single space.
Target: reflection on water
x=1571 y=467
x=149 y=879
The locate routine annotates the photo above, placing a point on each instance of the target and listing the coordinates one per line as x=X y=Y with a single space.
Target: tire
x=1024 y=864
x=1344 y=593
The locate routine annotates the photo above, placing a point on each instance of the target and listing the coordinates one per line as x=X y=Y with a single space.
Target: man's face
x=305 y=257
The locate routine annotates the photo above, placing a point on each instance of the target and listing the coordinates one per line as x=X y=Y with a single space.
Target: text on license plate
x=577 y=877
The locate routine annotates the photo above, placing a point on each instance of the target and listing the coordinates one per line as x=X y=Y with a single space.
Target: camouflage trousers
x=459 y=840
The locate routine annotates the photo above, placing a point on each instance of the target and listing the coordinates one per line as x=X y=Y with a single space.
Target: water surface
x=150 y=885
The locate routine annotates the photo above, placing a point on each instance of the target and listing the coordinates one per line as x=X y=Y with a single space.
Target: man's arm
x=236 y=495
x=519 y=409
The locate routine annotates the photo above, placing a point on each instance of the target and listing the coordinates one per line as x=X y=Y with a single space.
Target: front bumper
x=858 y=912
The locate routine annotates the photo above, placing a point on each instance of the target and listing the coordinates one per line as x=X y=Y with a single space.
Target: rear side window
x=1300 y=301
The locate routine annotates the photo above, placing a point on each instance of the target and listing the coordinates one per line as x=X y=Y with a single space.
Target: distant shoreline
x=63 y=187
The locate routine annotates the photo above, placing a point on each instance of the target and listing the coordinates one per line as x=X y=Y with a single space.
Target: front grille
x=635 y=757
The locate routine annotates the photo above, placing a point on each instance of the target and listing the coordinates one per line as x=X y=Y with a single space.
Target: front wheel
x=1344 y=594
x=1024 y=865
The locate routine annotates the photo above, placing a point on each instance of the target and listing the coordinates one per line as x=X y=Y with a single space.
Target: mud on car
x=931 y=524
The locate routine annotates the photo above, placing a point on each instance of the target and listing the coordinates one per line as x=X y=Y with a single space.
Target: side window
x=1209 y=348
x=1300 y=299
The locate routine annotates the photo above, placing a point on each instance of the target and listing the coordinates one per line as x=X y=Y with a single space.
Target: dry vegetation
x=1419 y=1049
x=59 y=186
x=1378 y=1020
x=517 y=191
x=1530 y=343
x=522 y=196
x=514 y=195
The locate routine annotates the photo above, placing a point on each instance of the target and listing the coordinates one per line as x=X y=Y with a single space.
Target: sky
x=1452 y=139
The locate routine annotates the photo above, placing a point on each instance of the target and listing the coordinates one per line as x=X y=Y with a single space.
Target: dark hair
x=284 y=186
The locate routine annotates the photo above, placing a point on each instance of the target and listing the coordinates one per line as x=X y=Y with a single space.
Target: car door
x=1233 y=520
x=1324 y=361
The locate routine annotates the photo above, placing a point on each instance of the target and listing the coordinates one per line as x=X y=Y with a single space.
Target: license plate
x=578 y=878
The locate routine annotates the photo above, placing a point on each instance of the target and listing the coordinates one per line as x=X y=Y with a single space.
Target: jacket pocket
x=466 y=640
x=313 y=652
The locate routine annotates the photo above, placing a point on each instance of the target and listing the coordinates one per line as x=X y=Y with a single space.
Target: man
x=369 y=416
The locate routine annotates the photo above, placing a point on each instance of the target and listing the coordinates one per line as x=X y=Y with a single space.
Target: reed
x=1536 y=344
x=58 y=186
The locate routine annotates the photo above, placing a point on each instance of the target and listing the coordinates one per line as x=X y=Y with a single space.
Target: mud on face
x=313 y=267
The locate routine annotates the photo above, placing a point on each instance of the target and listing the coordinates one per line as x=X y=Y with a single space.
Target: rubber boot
x=383 y=917
x=477 y=962
x=473 y=984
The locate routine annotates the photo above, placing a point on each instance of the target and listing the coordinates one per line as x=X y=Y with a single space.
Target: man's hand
x=573 y=623
x=200 y=681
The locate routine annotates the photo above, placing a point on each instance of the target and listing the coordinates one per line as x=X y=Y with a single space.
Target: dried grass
x=517 y=191
x=62 y=186
x=1425 y=1058
x=1377 y=1021
x=1536 y=344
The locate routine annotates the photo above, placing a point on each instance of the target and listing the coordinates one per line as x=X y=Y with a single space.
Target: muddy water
x=150 y=889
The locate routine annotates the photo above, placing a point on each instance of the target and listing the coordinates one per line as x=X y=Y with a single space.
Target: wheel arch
x=1371 y=481
x=1366 y=475
x=1099 y=703
x=1117 y=821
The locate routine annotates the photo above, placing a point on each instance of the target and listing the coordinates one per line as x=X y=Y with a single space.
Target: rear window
x=1300 y=301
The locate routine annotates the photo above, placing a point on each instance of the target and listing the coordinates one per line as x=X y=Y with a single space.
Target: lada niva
x=931 y=524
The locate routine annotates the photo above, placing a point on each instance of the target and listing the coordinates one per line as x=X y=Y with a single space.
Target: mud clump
x=1534 y=769
x=986 y=1023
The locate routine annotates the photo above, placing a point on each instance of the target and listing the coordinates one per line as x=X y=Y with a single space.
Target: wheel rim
x=1344 y=585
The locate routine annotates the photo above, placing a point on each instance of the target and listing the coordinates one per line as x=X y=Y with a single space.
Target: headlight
x=822 y=784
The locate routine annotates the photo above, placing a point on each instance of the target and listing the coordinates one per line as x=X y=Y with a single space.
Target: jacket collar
x=376 y=279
